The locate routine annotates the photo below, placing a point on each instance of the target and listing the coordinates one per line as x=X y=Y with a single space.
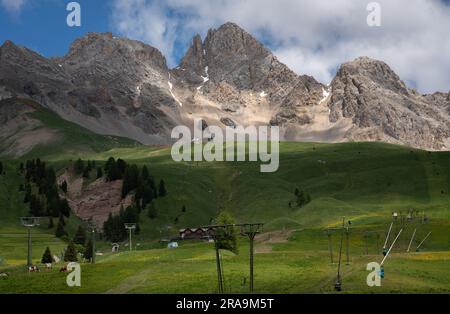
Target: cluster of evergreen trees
x=302 y=198
x=60 y=231
x=114 y=227
x=82 y=244
x=79 y=244
x=138 y=181
x=82 y=168
x=41 y=190
x=115 y=170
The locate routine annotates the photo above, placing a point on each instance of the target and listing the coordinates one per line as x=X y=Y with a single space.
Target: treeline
x=80 y=167
x=41 y=190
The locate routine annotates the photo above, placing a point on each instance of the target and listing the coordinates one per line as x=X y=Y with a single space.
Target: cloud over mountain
x=311 y=37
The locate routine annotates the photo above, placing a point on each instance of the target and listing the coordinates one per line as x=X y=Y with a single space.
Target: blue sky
x=311 y=37
x=41 y=25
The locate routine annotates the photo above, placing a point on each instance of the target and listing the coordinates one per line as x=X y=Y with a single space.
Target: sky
x=311 y=36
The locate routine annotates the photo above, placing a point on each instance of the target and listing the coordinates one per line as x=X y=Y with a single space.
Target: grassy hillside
x=72 y=139
x=365 y=182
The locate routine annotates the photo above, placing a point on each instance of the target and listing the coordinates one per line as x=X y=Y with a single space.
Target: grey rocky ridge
x=122 y=87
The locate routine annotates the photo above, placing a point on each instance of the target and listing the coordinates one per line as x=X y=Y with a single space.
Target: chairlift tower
x=130 y=227
x=249 y=230
x=29 y=222
x=345 y=227
x=330 y=245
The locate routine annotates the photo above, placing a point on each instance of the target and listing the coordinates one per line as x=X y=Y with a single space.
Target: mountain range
x=121 y=87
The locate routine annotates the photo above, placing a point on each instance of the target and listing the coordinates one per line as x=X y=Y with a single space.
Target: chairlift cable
x=423 y=240
x=412 y=239
x=393 y=243
x=388 y=235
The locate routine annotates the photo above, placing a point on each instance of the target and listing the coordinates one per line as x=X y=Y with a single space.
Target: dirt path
x=130 y=283
x=264 y=240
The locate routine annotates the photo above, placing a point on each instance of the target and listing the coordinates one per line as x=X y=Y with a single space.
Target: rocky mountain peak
x=380 y=107
x=228 y=54
x=14 y=51
x=194 y=62
x=8 y=44
x=123 y=87
x=236 y=57
x=104 y=47
x=378 y=72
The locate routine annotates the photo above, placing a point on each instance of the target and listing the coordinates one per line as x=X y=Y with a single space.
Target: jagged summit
x=378 y=71
x=224 y=54
x=106 y=47
x=371 y=95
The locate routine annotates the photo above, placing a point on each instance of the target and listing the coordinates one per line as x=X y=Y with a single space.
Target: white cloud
x=311 y=37
x=12 y=6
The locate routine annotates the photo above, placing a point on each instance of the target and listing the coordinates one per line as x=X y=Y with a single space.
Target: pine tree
x=121 y=167
x=130 y=180
x=60 y=232
x=112 y=174
x=162 y=188
x=99 y=173
x=145 y=174
x=64 y=208
x=147 y=194
x=151 y=183
x=88 y=250
x=71 y=253
x=301 y=199
x=47 y=257
x=152 y=211
x=80 y=236
x=89 y=166
x=64 y=186
x=86 y=173
x=27 y=196
x=36 y=208
x=78 y=167
x=61 y=220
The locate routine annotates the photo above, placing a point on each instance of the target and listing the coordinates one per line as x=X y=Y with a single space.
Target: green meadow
x=363 y=182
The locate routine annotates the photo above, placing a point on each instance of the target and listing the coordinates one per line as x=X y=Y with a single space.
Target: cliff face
x=109 y=85
x=382 y=108
x=122 y=87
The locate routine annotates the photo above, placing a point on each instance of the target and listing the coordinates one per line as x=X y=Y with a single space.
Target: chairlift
x=338 y=286
x=382 y=272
